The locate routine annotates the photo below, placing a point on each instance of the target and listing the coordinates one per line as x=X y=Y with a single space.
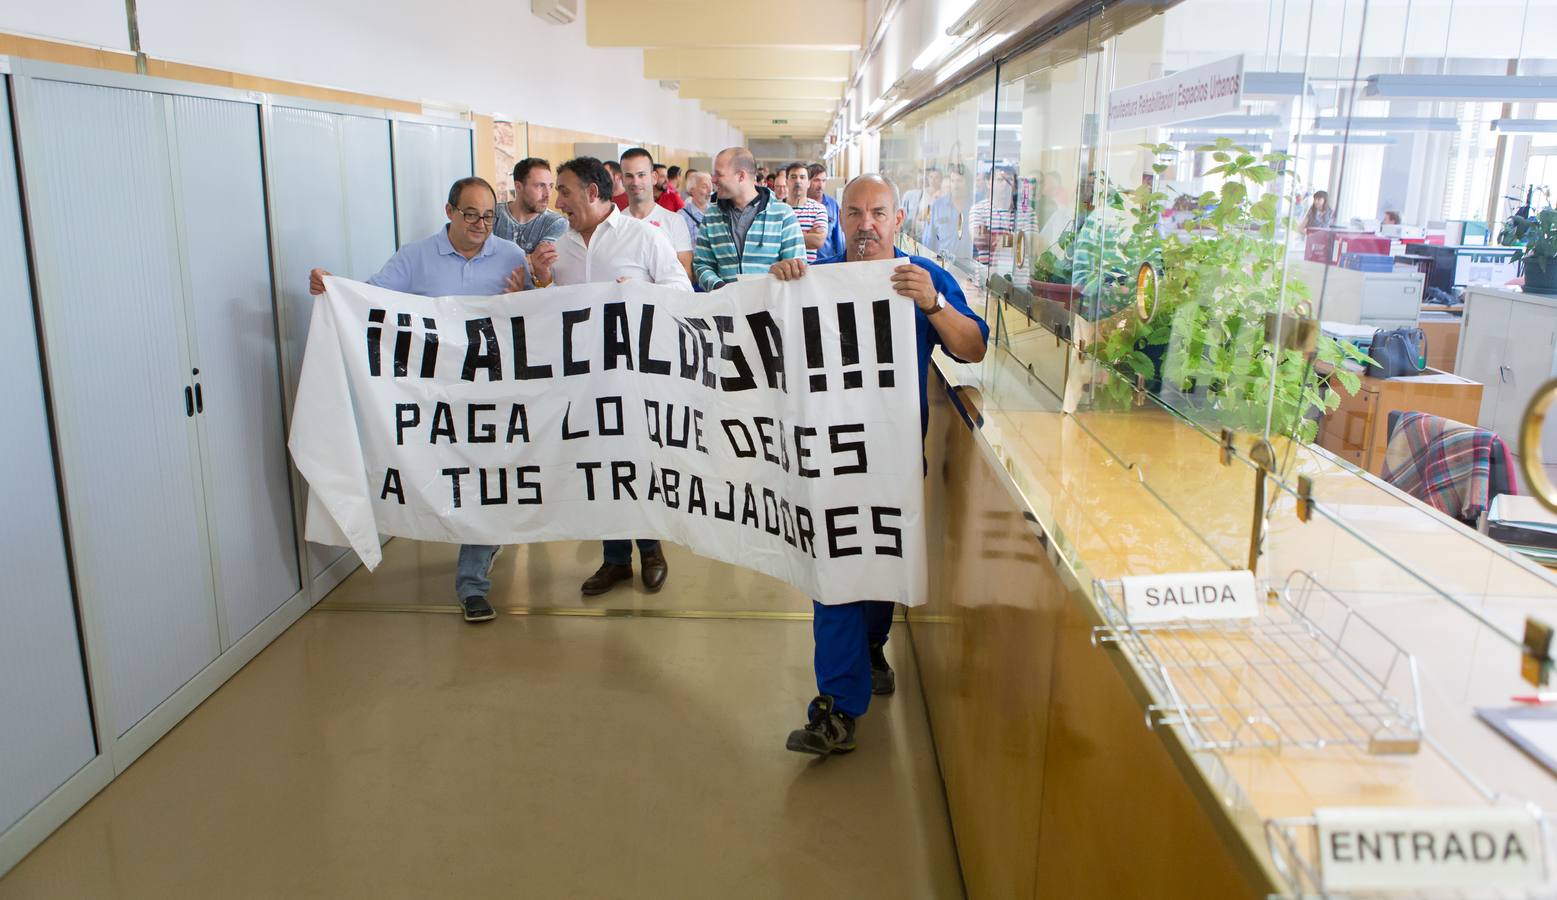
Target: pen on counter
x=1542 y=697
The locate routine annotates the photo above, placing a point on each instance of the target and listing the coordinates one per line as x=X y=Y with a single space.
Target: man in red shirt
x=665 y=194
x=620 y=195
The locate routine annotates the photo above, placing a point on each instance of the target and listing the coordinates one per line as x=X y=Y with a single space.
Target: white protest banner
x=1207 y=90
x=772 y=425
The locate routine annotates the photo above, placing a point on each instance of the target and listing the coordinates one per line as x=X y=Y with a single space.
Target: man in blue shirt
x=461 y=260
x=850 y=659
x=817 y=191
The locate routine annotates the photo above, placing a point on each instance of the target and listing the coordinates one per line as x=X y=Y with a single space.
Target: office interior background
x=171 y=170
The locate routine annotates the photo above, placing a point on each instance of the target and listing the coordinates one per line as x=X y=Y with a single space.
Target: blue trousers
x=470 y=575
x=620 y=553
x=844 y=634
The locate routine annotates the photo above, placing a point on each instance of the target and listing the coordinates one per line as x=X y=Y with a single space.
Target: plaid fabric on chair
x=1444 y=463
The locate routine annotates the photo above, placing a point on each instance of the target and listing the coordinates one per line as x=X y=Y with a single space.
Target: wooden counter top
x=1142 y=492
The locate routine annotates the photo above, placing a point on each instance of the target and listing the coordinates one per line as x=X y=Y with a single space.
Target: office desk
x=1358 y=430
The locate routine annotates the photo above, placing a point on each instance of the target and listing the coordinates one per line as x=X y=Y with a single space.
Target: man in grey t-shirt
x=525 y=220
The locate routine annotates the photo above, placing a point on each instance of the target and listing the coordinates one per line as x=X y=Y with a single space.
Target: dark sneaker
x=882 y=679
x=477 y=609
x=608 y=576
x=829 y=730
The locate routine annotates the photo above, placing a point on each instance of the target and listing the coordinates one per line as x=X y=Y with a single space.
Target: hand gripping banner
x=772 y=425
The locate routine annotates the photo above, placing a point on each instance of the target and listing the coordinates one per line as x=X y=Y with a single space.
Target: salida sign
x=771 y=425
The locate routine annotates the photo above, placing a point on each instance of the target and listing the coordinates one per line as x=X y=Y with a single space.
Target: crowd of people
x=593 y=221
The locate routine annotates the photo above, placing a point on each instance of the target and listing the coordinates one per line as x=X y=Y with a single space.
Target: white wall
x=99 y=23
x=492 y=56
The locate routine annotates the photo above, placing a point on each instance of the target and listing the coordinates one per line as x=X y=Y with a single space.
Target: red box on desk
x=1325 y=245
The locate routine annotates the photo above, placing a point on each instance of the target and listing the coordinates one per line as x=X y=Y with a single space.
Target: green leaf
x=1221 y=156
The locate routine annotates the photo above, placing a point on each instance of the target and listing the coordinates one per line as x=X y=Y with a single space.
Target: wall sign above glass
x=1185 y=96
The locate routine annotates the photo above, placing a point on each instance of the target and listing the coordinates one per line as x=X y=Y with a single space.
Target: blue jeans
x=844 y=634
x=470 y=575
x=620 y=553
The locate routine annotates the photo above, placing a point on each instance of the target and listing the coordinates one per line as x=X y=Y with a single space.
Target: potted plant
x=1218 y=284
x=1535 y=231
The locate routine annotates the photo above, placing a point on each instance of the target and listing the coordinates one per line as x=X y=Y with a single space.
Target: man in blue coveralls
x=851 y=662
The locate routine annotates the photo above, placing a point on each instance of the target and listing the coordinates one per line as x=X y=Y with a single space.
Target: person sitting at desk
x=1320 y=214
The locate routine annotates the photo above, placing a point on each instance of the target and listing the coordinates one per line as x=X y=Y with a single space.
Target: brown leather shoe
x=654 y=571
x=608 y=576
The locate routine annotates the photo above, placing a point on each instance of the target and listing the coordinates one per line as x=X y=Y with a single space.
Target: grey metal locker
x=221 y=201
x=332 y=200
x=111 y=283
x=45 y=718
x=428 y=158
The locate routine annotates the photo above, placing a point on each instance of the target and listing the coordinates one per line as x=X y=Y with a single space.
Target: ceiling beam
x=750 y=88
x=737 y=106
x=728 y=62
x=762 y=116
x=829 y=24
x=791 y=124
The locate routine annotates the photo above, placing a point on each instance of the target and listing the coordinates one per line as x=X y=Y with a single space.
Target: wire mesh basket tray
x=1309 y=672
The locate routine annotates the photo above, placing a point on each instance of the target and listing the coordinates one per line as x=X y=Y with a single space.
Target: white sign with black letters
x=1481 y=848
x=1208 y=90
x=1196 y=595
x=773 y=425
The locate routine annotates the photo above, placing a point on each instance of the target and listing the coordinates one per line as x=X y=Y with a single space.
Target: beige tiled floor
x=547 y=576
x=392 y=754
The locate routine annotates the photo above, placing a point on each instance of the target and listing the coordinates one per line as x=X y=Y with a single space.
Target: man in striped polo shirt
x=812 y=216
x=748 y=230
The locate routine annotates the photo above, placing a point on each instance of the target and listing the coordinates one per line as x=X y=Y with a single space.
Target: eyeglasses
x=473 y=214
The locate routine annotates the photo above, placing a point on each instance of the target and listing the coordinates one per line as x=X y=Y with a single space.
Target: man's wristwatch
x=940 y=304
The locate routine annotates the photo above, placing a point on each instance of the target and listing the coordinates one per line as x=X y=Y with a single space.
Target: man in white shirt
x=638 y=181
x=603 y=244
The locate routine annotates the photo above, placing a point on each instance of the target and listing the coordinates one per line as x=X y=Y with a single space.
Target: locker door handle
x=189 y=402
x=199 y=399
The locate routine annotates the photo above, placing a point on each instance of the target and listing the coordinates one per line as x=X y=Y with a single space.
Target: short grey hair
x=875 y=178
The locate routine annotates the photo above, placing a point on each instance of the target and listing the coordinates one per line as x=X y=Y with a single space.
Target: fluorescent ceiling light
x=1525 y=126
x=893 y=111
x=1275 y=84
x=1387 y=123
x=1239 y=121
x=1210 y=137
x=937 y=49
x=956 y=65
x=875 y=105
x=1462 y=87
x=1355 y=139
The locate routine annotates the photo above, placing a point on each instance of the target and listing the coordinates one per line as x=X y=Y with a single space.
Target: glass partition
x=1184 y=310
x=939 y=157
x=1197 y=295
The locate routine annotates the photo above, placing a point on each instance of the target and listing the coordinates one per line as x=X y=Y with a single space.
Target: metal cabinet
x=333 y=203
x=429 y=157
x=46 y=733
x=1508 y=342
x=158 y=316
